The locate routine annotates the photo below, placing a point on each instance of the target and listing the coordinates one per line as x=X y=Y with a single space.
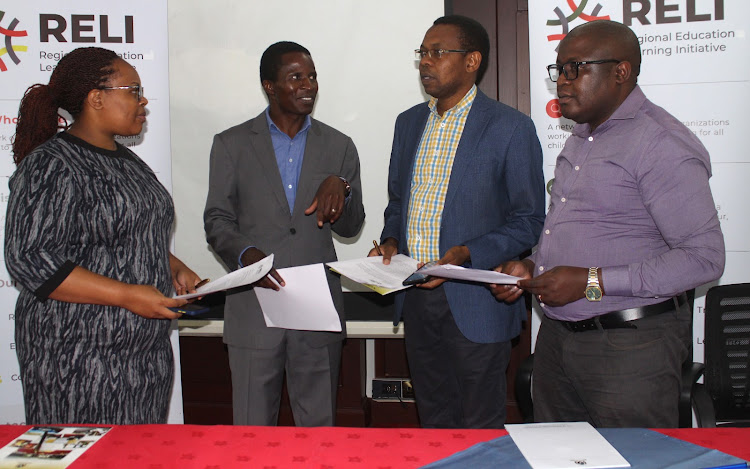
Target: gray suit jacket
x=246 y=206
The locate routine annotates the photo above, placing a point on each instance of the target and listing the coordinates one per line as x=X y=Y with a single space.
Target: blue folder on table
x=644 y=449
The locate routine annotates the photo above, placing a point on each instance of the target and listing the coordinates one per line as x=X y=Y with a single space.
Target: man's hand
x=510 y=293
x=253 y=255
x=389 y=248
x=558 y=286
x=457 y=255
x=329 y=200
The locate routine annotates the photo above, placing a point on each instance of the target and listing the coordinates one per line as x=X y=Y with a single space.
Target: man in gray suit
x=280 y=183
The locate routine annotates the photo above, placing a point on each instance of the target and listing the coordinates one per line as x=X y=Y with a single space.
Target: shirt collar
x=461 y=107
x=627 y=110
x=272 y=125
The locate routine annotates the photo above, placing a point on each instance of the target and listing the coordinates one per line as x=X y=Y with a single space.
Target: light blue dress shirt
x=289 y=154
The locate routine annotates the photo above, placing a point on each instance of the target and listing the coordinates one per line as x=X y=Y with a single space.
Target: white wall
x=363 y=53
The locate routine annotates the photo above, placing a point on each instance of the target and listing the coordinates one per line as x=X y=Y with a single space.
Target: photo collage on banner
x=695 y=65
x=35 y=36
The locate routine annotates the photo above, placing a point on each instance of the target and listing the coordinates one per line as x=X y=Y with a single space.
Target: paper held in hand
x=305 y=302
x=372 y=273
x=244 y=276
x=473 y=275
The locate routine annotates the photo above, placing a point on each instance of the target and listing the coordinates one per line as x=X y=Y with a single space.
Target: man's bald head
x=615 y=40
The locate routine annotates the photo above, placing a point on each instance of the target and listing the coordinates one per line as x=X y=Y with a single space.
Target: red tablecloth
x=214 y=447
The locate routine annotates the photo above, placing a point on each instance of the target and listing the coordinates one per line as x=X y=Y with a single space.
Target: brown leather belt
x=623 y=318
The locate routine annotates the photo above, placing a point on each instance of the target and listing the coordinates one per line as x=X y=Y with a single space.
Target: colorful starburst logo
x=10 y=50
x=577 y=12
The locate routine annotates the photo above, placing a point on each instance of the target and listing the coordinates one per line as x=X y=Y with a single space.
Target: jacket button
x=292 y=230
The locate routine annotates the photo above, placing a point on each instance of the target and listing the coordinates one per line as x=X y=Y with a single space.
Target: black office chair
x=725 y=397
x=691 y=394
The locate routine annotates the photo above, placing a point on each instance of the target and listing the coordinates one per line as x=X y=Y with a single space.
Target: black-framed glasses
x=136 y=89
x=420 y=54
x=570 y=69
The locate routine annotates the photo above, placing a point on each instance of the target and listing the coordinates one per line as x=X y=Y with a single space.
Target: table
x=215 y=447
x=354 y=329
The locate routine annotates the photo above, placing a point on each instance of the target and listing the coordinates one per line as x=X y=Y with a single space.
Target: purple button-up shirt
x=633 y=198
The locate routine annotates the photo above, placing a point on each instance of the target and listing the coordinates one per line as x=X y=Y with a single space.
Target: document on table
x=372 y=273
x=564 y=445
x=305 y=302
x=473 y=275
x=244 y=276
x=50 y=447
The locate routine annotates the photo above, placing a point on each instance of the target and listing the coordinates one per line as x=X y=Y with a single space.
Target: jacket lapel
x=262 y=148
x=476 y=122
x=313 y=158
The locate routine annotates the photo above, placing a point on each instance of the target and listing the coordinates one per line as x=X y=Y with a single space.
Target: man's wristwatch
x=593 y=289
x=347 y=187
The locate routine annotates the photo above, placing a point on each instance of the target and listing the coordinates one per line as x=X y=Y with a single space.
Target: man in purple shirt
x=631 y=226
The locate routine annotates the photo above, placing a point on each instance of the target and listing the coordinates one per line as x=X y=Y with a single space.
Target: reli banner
x=35 y=36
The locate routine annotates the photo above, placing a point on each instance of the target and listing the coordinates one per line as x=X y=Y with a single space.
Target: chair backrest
x=727 y=349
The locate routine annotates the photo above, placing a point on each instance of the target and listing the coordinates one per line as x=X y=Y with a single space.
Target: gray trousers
x=612 y=377
x=312 y=376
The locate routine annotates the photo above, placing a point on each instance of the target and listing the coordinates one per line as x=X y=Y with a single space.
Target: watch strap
x=593 y=280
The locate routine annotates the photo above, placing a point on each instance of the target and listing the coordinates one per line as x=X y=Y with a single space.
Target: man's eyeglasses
x=137 y=90
x=570 y=69
x=420 y=54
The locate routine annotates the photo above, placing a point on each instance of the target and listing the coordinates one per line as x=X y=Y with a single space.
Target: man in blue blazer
x=465 y=187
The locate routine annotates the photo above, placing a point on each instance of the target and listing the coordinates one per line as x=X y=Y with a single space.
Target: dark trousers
x=613 y=377
x=457 y=383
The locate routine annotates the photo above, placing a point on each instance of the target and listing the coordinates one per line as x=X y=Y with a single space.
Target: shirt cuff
x=239 y=258
x=349 y=195
x=616 y=281
x=51 y=284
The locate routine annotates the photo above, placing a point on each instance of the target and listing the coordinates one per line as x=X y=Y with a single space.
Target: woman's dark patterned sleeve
x=40 y=220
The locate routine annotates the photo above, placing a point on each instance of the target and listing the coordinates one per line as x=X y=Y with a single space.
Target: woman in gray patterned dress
x=87 y=237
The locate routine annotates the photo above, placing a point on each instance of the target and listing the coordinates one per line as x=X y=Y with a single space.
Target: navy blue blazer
x=494 y=205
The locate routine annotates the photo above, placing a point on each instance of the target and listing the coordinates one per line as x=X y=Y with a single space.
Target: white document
x=305 y=302
x=474 y=275
x=564 y=445
x=372 y=273
x=244 y=276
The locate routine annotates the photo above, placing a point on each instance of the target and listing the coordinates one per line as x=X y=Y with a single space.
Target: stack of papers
x=564 y=445
x=372 y=273
x=240 y=277
x=472 y=275
x=384 y=279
